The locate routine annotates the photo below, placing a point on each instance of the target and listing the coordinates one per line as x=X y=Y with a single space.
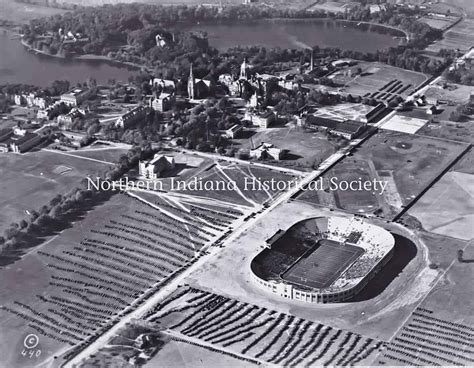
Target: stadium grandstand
x=323 y=259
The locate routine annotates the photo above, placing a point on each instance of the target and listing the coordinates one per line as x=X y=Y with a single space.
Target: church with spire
x=198 y=88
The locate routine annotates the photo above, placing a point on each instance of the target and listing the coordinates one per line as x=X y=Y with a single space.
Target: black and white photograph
x=236 y=183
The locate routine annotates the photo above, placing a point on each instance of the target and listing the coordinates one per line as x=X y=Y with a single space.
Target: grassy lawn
x=31 y=180
x=306 y=148
x=375 y=78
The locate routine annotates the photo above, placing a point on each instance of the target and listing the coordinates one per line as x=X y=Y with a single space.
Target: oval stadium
x=322 y=259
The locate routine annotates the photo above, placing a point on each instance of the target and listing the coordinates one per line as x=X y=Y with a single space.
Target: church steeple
x=243 y=70
x=191 y=83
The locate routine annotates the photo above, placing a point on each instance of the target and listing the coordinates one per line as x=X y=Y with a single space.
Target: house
x=154 y=168
x=233 y=131
x=75 y=97
x=20 y=144
x=163 y=102
x=131 y=117
x=263 y=120
x=267 y=151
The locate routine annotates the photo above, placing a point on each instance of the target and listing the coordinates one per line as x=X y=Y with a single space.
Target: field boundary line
x=81 y=157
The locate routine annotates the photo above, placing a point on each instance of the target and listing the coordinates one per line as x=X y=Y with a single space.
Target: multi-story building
x=262 y=120
x=154 y=168
x=131 y=117
x=76 y=96
x=163 y=102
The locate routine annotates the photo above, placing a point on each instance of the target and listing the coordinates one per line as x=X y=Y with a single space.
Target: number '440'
x=31 y=353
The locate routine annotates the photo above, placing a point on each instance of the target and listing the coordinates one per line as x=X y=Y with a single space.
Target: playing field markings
x=304 y=272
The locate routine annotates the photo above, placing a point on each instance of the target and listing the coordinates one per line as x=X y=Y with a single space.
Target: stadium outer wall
x=289 y=291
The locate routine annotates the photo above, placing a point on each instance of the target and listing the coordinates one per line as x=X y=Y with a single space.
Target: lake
x=300 y=33
x=18 y=65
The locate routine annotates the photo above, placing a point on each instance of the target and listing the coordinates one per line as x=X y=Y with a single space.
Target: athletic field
x=322 y=265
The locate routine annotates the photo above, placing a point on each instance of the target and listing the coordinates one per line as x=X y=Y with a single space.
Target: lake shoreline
x=103 y=58
x=86 y=57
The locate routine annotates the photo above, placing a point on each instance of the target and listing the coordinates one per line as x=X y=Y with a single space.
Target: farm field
x=31 y=180
x=76 y=284
x=408 y=163
x=258 y=333
x=458 y=37
x=307 y=147
x=380 y=81
x=440 y=330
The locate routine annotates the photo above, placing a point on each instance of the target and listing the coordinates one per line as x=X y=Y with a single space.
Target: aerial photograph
x=236 y=183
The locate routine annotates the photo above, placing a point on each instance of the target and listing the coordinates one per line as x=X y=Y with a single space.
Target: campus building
x=131 y=117
x=76 y=96
x=155 y=168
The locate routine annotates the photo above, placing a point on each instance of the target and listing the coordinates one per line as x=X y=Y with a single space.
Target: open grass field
x=31 y=180
x=404 y=124
x=352 y=201
x=23 y=12
x=466 y=164
x=380 y=81
x=448 y=207
x=69 y=288
x=306 y=148
x=332 y=6
x=459 y=36
x=237 y=184
x=344 y=111
x=407 y=163
x=438 y=22
x=186 y=355
x=462 y=132
x=454 y=93
x=105 y=154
